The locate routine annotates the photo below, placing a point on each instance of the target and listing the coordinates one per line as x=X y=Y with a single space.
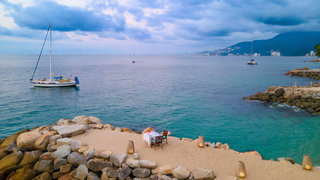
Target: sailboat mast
x=50 y=54
x=251 y=50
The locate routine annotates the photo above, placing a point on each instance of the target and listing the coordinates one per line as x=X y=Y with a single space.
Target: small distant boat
x=252 y=61
x=53 y=81
x=133 y=62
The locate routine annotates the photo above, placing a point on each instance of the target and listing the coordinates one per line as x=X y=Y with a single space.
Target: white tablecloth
x=148 y=136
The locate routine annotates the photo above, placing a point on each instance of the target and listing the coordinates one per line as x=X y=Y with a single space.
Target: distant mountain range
x=288 y=44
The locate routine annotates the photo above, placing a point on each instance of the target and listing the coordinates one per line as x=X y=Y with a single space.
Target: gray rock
x=147 y=178
x=63 y=121
x=11 y=147
x=92 y=176
x=57 y=175
x=10 y=160
x=62 y=152
x=89 y=153
x=42 y=142
x=64 y=141
x=53 y=139
x=81 y=172
x=124 y=173
x=52 y=148
x=113 y=173
x=133 y=163
x=94 y=120
x=43 y=176
x=98 y=164
x=203 y=174
x=58 y=163
x=141 y=172
x=154 y=177
x=181 y=172
x=30 y=157
x=165 y=177
x=286 y=159
x=148 y=164
x=44 y=166
x=118 y=159
x=279 y=92
x=103 y=154
x=76 y=145
x=76 y=159
x=79 y=119
x=135 y=156
x=65 y=168
x=70 y=130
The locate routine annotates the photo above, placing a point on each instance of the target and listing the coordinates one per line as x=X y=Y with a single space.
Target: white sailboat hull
x=53 y=84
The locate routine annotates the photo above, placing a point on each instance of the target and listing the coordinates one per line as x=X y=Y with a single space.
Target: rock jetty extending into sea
x=304 y=97
x=305 y=72
x=71 y=149
x=317 y=60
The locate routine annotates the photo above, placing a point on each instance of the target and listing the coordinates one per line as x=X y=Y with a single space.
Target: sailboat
x=53 y=81
x=252 y=61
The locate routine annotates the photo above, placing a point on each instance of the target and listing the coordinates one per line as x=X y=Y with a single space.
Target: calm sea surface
x=187 y=95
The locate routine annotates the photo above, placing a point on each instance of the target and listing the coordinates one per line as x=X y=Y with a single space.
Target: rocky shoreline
x=49 y=152
x=298 y=96
x=317 y=60
x=305 y=72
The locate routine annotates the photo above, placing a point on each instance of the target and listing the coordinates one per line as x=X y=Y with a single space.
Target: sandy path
x=187 y=154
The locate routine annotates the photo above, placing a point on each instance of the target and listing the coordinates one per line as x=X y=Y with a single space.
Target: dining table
x=149 y=136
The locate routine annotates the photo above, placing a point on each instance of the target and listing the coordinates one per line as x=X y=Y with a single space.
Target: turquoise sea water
x=187 y=95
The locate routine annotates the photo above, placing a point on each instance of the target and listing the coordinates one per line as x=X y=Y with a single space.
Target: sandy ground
x=310 y=89
x=187 y=154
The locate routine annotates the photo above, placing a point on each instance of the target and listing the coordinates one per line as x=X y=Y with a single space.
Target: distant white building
x=230 y=54
x=312 y=53
x=275 y=53
x=256 y=54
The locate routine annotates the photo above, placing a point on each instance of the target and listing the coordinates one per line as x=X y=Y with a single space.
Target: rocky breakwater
x=305 y=72
x=292 y=96
x=49 y=152
x=317 y=60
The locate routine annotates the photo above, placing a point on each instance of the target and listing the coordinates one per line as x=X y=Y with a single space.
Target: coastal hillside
x=288 y=44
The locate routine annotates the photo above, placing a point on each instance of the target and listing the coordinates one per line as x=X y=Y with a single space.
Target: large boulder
x=141 y=172
x=64 y=141
x=53 y=139
x=70 y=130
x=30 y=157
x=3 y=152
x=97 y=165
x=89 y=153
x=133 y=163
x=42 y=142
x=76 y=159
x=44 y=166
x=10 y=160
x=79 y=119
x=118 y=159
x=13 y=138
x=148 y=164
x=181 y=173
x=57 y=163
x=92 y=176
x=108 y=126
x=61 y=152
x=63 y=122
x=279 y=92
x=272 y=88
x=43 y=176
x=76 y=145
x=124 y=173
x=103 y=154
x=27 y=139
x=81 y=172
x=65 y=168
x=165 y=170
x=203 y=174
x=93 y=120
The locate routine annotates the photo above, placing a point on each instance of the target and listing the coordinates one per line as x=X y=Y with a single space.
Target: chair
x=165 y=136
x=157 y=142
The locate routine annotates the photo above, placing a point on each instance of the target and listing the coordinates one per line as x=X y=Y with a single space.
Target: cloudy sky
x=148 y=26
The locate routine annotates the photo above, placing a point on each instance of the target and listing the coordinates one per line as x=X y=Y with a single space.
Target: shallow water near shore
x=187 y=95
